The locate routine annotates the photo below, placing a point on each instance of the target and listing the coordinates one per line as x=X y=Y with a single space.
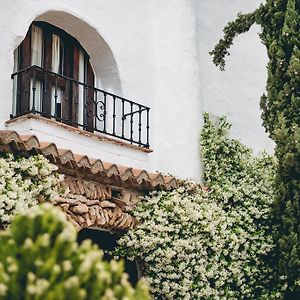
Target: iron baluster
x=61 y=106
x=96 y=110
x=114 y=115
x=33 y=91
x=75 y=93
x=26 y=93
x=147 y=127
x=66 y=114
x=140 y=124
x=86 y=106
x=105 y=112
x=19 y=94
x=55 y=99
x=131 y=122
x=45 y=89
x=123 y=118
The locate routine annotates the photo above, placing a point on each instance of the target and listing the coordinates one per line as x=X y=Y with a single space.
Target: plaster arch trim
x=101 y=55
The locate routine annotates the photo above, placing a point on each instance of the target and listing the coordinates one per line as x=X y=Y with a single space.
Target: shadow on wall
x=101 y=56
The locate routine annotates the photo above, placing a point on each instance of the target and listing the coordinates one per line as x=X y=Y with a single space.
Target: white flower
x=189 y=239
x=22 y=181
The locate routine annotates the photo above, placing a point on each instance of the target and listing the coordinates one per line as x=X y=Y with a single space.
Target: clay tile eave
x=143 y=176
x=153 y=176
x=66 y=156
x=11 y=141
x=171 y=184
x=30 y=140
x=126 y=174
x=8 y=135
x=50 y=149
x=82 y=161
x=112 y=171
x=45 y=144
x=158 y=181
x=106 y=165
x=170 y=180
x=136 y=172
x=97 y=166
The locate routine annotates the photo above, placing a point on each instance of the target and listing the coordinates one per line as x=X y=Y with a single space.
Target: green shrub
x=40 y=260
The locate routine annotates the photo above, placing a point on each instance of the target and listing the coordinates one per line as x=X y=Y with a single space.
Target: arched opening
x=50 y=64
x=64 y=70
x=108 y=241
x=101 y=56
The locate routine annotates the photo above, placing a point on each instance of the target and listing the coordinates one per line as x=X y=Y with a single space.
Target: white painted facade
x=155 y=53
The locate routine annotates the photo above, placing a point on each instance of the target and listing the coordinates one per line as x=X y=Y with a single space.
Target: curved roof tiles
x=71 y=163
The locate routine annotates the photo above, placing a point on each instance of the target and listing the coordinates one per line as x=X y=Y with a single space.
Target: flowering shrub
x=40 y=259
x=22 y=182
x=244 y=185
x=210 y=245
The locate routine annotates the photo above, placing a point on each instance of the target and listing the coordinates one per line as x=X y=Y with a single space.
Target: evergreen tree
x=280 y=24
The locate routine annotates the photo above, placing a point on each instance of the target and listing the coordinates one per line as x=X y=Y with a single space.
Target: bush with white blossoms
x=214 y=244
x=244 y=185
x=22 y=182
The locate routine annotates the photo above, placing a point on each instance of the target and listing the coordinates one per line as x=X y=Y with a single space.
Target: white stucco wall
x=82 y=144
x=177 y=105
x=236 y=92
x=156 y=53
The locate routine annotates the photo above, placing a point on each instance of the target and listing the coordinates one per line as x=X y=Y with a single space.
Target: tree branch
x=241 y=24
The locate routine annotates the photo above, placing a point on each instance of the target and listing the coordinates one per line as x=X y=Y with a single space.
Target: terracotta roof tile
x=11 y=141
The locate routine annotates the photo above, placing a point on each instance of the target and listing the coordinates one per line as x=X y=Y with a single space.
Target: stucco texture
x=155 y=53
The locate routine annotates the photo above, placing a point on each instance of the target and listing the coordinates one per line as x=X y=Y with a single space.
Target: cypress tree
x=280 y=24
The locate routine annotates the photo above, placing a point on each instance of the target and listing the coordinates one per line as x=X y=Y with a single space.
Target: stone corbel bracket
x=92 y=204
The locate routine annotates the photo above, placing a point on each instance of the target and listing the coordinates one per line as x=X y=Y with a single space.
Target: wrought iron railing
x=75 y=103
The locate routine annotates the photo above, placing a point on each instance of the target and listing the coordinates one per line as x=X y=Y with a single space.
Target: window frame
x=72 y=47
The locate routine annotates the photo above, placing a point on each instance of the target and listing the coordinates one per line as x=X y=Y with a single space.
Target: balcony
x=61 y=98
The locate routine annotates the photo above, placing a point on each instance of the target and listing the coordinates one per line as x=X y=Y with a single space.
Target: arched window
x=54 y=63
x=53 y=78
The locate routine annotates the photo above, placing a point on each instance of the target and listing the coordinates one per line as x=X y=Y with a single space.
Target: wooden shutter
x=90 y=98
x=75 y=88
x=23 y=100
x=68 y=71
x=46 y=105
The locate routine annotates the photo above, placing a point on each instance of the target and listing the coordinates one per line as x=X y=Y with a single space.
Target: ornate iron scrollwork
x=100 y=116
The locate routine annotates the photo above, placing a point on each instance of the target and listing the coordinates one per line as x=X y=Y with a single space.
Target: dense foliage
x=210 y=245
x=40 y=260
x=22 y=182
x=280 y=23
x=245 y=186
